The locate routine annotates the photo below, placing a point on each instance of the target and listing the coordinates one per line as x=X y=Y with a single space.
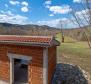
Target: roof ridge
x=26 y=36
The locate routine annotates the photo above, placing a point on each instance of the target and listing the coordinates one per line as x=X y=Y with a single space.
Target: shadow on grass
x=68 y=74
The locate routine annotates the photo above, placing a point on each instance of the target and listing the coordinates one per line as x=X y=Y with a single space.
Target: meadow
x=74 y=52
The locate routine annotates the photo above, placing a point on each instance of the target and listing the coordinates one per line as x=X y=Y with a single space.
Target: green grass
x=78 y=48
x=74 y=52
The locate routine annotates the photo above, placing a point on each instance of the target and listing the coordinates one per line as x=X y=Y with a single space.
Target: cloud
x=14 y=2
x=84 y=12
x=47 y=3
x=64 y=9
x=81 y=1
x=7 y=13
x=24 y=6
x=24 y=9
x=84 y=16
x=51 y=14
x=49 y=22
x=47 y=6
x=9 y=17
x=66 y=22
x=52 y=23
x=60 y=9
x=24 y=3
x=77 y=1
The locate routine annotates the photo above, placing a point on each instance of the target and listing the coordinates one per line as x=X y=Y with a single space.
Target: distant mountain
x=14 y=29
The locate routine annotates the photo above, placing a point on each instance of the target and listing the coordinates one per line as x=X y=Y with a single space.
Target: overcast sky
x=41 y=12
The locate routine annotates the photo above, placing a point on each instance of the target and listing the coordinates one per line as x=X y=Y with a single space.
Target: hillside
x=14 y=29
x=78 y=33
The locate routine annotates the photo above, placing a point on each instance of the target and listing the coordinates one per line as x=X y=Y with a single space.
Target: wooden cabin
x=27 y=59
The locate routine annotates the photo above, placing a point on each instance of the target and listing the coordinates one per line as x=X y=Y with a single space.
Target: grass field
x=74 y=52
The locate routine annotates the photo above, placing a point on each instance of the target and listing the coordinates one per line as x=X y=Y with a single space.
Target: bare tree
x=80 y=24
x=61 y=24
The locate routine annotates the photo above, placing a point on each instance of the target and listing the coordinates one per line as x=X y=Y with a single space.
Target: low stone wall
x=70 y=74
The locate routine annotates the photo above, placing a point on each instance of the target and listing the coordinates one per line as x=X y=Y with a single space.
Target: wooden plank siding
x=35 y=68
x=51 y=62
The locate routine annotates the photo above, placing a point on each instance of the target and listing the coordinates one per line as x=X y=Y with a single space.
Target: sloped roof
x=29 y=40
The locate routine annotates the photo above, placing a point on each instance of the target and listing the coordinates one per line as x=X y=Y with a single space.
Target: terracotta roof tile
x=31 y=40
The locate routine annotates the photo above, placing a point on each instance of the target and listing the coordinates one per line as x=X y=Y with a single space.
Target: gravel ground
x=70 y=74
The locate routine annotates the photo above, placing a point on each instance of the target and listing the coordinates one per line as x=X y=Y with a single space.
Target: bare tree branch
x=80 y=23
x=89 y=9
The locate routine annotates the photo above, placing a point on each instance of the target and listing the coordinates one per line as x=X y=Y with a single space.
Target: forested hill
x=14 y=29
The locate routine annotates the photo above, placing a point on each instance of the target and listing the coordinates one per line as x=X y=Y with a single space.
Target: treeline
x=78 y=34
